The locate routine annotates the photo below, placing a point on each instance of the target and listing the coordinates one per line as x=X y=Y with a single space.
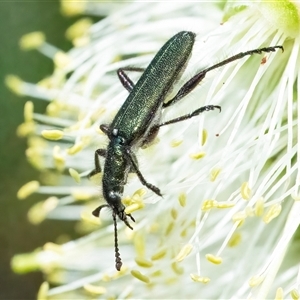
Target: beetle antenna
x=96 y=212
x=117 y=253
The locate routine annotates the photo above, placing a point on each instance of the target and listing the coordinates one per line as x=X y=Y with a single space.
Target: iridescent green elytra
x=138 y=121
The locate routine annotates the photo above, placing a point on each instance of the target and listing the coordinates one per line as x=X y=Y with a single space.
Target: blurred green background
x=17 y=235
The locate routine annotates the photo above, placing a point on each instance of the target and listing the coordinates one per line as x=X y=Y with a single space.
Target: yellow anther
x=138 y=194
x=174 y=213
x=72 y=8
x=28 y=189
x=28 y=112
x=24 y=263
x=209 y=204
x=35 y=214
x=107 y=278
x=81 y=195
x=224 y=204
x=239 y=216
x=272 y=213
x=59 y=159
x=177 y=269
x=38 y=212
x=14 y=83
x=50 y=178
x=37 y=142
x=43 y=291
x=79 y=28
x=192 y=224
x=26 y=129
x=198 y=278
x=169 y=229
x=53 y=247
x=54 y=108
x=235 y=239
x=142 y=262
x=134 y=207
x=259 y=207
x=154 y=227
x=245 y=191
x=64 y=238
x=95 y=289
x=214 y=259
x=249 y=211
x=61 y=59
x=59 y=163
x=50 y=203
x=76 y=148
x=214 y=173
x=84 y=227
x=138 y=275
x=52 y=134
x=75 y=175
x=295 y=294
x=255 y=281
x=159 y=255
x=32 y=40
x=126 y=200
x=81 y=41
x=182 y=199
x=136 y=199
x=204 y=137
x=176 y=143
x=156 y=273
x=46 y=83
x=34 y=157
x=169 y=281
x=279 y=294
x=197 y=155
x=183 y=233
x=184 y=252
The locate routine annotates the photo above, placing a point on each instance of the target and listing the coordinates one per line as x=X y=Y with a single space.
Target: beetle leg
x=193 y=114
x=125 y=80
x=98 y=152
x=134 y=167
x=196 y=79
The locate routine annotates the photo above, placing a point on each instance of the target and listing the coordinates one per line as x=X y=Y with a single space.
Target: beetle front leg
x=97 y=170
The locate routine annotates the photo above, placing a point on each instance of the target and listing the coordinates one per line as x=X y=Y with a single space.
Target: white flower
x=229 y=180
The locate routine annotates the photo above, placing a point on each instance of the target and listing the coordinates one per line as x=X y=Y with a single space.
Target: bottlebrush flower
x=230 y=181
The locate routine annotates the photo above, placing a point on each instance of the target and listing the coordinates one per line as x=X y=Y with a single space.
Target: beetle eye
x=121 y=141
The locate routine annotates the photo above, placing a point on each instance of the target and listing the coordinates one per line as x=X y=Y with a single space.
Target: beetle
x=138 y=120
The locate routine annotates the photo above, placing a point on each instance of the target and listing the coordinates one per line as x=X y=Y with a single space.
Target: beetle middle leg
x=191 y=115
x=97 y=170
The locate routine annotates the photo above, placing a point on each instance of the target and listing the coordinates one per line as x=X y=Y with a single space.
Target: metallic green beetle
x=138 y=121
